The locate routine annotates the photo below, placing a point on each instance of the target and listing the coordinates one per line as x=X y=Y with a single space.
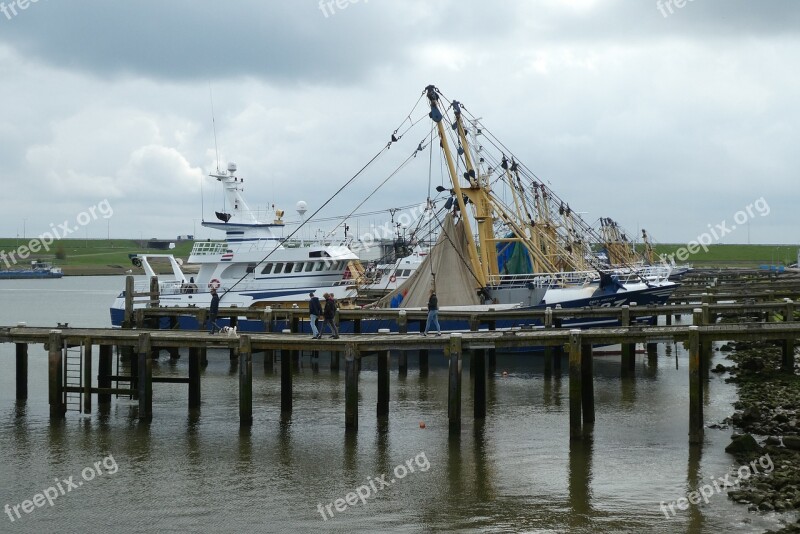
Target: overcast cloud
x=668 y=123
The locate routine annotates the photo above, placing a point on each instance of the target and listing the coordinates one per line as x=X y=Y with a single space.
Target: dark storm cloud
x=185 y=39
x=294 y=40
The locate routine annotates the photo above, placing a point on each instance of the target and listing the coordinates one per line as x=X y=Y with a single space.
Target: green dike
x=104 y=256
x=91 y=256
x=734 y=255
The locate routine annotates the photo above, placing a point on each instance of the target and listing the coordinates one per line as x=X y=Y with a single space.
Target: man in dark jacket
x=213 y=310
x=329 y=314
x=433 y=315
x=314 y=312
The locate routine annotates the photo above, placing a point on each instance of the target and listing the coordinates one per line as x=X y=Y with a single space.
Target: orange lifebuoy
x=214 y=284
x=393 y=278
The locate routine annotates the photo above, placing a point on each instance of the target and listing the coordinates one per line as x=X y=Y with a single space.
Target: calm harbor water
x=517 y=472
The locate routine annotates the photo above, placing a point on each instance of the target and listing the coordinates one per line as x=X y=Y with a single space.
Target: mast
x=477 y=193
x=436 y=114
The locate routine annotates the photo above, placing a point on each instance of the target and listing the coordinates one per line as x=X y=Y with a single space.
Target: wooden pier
x=481 y=345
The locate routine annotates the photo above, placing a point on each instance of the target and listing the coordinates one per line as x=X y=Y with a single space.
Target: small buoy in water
x=422 y=424
x=505 y=373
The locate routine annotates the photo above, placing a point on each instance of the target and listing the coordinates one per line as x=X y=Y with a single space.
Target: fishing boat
x=37 y=270
x=386 y=277
x=525 y=238
x=250 y=268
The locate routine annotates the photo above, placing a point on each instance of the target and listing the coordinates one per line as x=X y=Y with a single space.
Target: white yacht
x=250 y=268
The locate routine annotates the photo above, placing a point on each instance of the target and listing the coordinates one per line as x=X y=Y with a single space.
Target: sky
x=673 y=116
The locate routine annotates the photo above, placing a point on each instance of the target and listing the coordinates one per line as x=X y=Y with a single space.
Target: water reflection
x=351 y=452
x=580 y=482
x=484 y=475
x=693 y=484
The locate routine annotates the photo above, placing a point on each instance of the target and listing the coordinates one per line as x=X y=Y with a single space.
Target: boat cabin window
x=289 y=267
x=251 y=267
x=298 y=267
x=278 y=268
x=320 y=266
x=318 y=254
x=309 y=266
x=405 y=272
x=267 y=268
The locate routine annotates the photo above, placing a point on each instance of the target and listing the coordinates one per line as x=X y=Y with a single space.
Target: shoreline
x=766 y=424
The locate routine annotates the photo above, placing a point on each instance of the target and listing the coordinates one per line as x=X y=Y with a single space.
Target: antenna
x=213 y=124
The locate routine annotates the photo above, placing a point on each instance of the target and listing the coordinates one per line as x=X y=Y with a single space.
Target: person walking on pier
x=329 y=314
x=213 y=310
x=433 y=315
x=314 y=312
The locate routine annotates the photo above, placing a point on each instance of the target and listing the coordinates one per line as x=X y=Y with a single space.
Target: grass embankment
x=104 y=256
x=735 y=255
x=92 y=256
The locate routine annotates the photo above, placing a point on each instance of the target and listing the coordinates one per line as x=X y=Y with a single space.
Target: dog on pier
x=229 y=331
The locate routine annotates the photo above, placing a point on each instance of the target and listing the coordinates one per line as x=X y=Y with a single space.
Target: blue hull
x=646 y=297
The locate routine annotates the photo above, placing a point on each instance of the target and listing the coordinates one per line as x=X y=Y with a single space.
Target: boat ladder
x=73 y=372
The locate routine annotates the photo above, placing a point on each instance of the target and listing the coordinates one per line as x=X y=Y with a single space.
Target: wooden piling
x=269 y=361
x=127 y=321
x=695 y=388
x=145 y=384
x=453 y=354
x=286 y=382
x=22 y=371
x=575 y=385
x=194 y=378
x=233 y=323
x=295 y=354
x=548 y=362
x=350 y=388
x=384 y=359
x=402 y=364
x=423 y=362
x=335 y=361
x=491 y=354
x=402 y=322
x=56 y=375
x=700 y=318
x=478 y=366
x=202 y=317
x=87 y=375
x=787 y=359
x=558 y=353
x=628 y=362
x=104 y=369
x=587 y=383
x=155 y=298
x=787 y=362
x=245 y=382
